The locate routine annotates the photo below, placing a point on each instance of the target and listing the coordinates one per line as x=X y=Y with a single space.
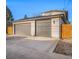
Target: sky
x=35 y=7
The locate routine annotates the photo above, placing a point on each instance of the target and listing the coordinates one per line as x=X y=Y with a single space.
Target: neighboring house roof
x=64 y=12
x=54 y=11
x=42 y=18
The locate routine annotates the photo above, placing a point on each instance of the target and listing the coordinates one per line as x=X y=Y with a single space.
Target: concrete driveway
x=25 y=48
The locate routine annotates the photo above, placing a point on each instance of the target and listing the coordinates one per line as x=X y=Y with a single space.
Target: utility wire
x=66 y=4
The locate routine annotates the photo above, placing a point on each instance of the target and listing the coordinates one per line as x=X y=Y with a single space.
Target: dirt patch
x=64 y=47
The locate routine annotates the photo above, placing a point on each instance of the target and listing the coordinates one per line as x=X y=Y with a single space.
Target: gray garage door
x=43 y=28
x=23 y=29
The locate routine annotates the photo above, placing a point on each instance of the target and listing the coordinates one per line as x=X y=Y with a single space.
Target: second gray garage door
x=23 y=29
x=43 y=28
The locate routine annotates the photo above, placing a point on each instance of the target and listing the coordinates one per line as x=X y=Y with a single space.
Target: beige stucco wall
x=21 y=22
x=55 y=28
x=33 y=28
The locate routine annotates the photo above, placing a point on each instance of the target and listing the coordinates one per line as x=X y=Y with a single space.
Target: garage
x=43 y=28
x=22 y=29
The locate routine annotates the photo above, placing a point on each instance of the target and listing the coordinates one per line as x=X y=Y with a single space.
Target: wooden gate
x=10 y=30
x=66 y=31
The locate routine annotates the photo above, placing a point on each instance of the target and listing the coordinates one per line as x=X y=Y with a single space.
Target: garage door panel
x=43 y=28
x=23 y=29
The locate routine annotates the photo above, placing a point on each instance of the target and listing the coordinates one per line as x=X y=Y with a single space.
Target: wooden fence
x=10 y=30
x=66 y=31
